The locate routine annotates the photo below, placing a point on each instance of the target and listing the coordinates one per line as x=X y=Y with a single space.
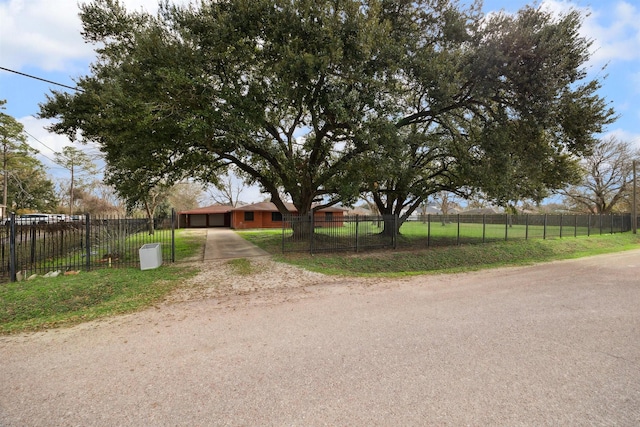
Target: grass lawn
x=42 y=303
x=442 y=259
x=67 y=300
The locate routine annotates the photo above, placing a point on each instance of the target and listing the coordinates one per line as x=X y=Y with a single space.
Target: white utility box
x=150 y=256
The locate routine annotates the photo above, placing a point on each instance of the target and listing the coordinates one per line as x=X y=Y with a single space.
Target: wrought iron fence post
x=611 y=224
x=357 y=226
x=87 y=233
x=575 y=226
x=311 y=232
x=526 y=227
x=32 y=235
x=588 y=225
x=173 y=235
x=600 y=223
x=428 y=230
x=61 y=242
x=12 y=247
x=506 y=227
x=561 y=226
x=484 y=227
x=544 y=227
x=284 y=225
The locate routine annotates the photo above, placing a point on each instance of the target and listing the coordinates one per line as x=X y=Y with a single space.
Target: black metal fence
x=84 y=244
x=355 y=233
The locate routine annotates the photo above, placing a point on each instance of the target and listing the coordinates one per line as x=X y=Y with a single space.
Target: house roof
x=359 y=211
x=271 y=207
x=213 y=209
x=482 y=211
x=262 y=206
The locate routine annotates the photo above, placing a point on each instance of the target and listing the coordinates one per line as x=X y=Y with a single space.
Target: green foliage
x=29 y=187
x=327 y=99
x=508 y=118
x=26 y=185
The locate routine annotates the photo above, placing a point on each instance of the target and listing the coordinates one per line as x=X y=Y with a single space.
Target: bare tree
x=185 y=195
x=79 y=165
x=99 y=198
x=108 y=195
x=446 y=202
x=607 y=178
x=477 y=201
x=228 y=191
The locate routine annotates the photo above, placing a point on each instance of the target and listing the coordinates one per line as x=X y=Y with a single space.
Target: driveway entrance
x=226 y=244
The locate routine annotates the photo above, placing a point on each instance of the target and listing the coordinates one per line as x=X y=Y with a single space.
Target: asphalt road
x=554 y=344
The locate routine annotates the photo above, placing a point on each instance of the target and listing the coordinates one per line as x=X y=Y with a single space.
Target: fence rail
x=358 y=233
x=86 y=244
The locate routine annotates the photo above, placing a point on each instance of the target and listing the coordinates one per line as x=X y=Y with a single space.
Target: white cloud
x=48 y=144
x=41 y=33
x=623 y=135
x=614 y=29
x=45 y=34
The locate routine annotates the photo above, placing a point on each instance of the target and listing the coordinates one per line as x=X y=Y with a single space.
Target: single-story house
x=209 y=216
x=256 y=215
x=360 y=211
x=482 y=211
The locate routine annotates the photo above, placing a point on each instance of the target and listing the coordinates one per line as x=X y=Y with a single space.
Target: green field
x=365 y=235
x=448 y=259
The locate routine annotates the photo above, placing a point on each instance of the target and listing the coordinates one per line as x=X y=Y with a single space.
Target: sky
x=42 y=38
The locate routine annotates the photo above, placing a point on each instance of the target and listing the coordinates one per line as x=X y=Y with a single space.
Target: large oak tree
x=330 y=98
x=503 y=108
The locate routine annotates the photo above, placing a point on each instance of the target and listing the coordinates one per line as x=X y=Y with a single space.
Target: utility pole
x=634 y=208
x=5 y=177
x=71 y=190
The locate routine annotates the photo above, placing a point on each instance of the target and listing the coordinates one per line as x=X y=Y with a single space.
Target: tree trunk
x=302 y=220
x=149 y=209
x=390 y=226
x=302 y=226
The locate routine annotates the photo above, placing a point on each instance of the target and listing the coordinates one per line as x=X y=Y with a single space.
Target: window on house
x=328 y=216
x=276 y=217
x=248 y=216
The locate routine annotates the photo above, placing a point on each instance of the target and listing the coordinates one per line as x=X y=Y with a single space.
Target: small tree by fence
x=86 y=244
x=358 y=233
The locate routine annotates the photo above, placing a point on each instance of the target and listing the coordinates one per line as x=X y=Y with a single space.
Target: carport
x=208 y=216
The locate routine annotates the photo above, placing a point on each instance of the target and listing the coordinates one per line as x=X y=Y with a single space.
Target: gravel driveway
x=551 y=344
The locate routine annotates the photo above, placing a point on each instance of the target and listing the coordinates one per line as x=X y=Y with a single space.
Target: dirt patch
x=268 y=282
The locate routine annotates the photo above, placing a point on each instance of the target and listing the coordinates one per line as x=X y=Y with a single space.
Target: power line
x=45 y=145
x=41 y=79
x=98 y=170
